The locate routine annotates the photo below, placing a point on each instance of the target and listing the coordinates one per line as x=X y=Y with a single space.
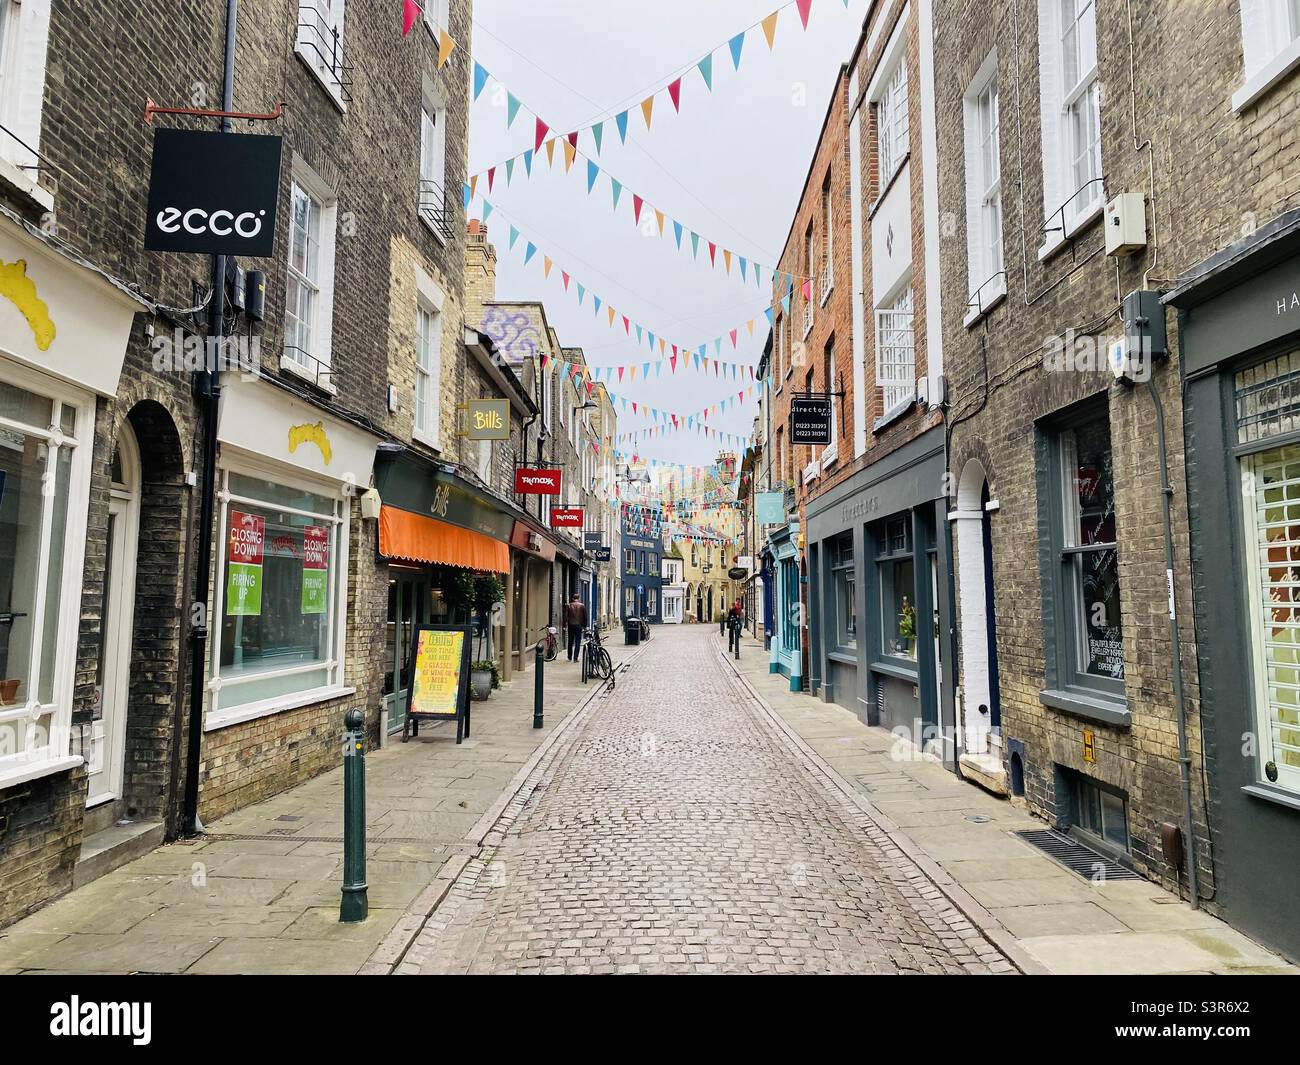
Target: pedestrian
x=575 y=618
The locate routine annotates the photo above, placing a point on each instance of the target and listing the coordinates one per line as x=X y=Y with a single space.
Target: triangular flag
x=487 y=210
x=410 y=13
x=726 y=258
x=480 y=78
x=581 y=293
x=528 y=161
x=695 y=245
x=569 y=152
x=598 y=134
x=659 y=217
x=546 y=266
x=510 y=170
x=512 y=109
x=617 y=188
x=713 y=254
x=620 y=120
x=445 y=46
x=573 y=138
x=529 y=252
x=734 y=333
x=769 y=28
x=611 y=312
x=593 y=171
x=492 y=173
x=675 y=93
x=627 y=326
x=636 y=207
x=550 y=152
x=473 y=185
x=743 y=264
x=804 y=6
x=542 y=130
x=469 y=195
x=595 y=309
x=736 y=44
x=705 y=67
x=677 y=233
x=807 y=290
x=514 y=236
x=647 y=106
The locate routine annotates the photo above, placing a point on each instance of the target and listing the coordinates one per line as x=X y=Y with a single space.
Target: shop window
x=896 y=573
x=845 y=581
x=41 y=467
x=1266 y=404
x=282 y=594
x=1084 y=570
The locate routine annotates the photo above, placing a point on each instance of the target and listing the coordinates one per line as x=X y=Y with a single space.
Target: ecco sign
x=213 y=193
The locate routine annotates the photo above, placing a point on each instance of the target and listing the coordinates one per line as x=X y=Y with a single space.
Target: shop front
x=532 y=569
x=879 y=563
x=787 y=608
x=440 y=539
x=1239 y=328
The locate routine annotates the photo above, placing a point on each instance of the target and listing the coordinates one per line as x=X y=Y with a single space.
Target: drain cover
x=1076 y=857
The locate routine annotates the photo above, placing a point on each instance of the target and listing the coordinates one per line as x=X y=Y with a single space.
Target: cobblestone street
x=674 y=829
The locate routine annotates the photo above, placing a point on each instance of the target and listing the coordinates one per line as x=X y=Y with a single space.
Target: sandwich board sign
x=439 y=675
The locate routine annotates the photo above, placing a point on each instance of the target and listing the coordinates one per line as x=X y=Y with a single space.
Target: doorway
x=408 y=607
x=981 y=702
x=104 y=742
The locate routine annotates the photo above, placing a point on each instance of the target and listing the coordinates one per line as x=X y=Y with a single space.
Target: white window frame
x=314 y=364
x=432 y=191
x=1270 y=46
x=893 y=124
x=985 y=265
x=429 y=300
x=896 y=358
x=317 y=21
x=828 y=240
x=832 y=450
x=1068 y=205
x=216 y=717
x=811 y=266
x=437 y=16
x=55 y=755
x=24 y=43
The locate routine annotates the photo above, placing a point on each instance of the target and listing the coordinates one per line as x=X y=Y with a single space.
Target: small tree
x=488 y=592
x=458 y=593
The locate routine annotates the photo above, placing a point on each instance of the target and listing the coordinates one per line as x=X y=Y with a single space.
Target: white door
x=105 y=744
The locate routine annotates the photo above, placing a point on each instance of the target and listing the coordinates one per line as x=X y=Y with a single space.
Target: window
x=1085 y=558
x=1100 y=813
x=24 y=34
x=320 y=43
x=629 y=602
x=896 y=570
x=828 y=379
x=892 y=126
x=43 y=483
x=1071 y=116
x=282 y=594
x=845 y=581
x=985 y=277
x=309 y=288
x=651 y=602
x=810 y=268
x=694 y=558
x=1270 y=38
x=629 y=560
x=435 y=210
x=437 y=14
x=428 y=360
x=828 y=242
x=896 y=354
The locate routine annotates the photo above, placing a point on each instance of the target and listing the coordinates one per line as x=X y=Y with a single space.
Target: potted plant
x=907 y=626
x=483 y=677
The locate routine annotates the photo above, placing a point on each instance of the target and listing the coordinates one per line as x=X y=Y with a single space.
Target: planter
x=480 y=684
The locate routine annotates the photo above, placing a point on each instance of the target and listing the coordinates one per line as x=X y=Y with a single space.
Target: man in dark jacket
x=575 y=618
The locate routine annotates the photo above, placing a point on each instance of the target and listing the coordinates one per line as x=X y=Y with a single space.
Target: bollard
x=739 y=630
x=355 y=904
x=537 y=688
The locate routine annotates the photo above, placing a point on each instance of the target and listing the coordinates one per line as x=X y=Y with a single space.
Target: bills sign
x=532 y=481
x=810 y=421
x=567 y=518
x=214 y=193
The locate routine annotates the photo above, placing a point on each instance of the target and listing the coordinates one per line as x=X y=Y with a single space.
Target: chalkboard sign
x=439 y=678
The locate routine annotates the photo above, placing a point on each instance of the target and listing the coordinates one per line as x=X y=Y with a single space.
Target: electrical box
x=1132 y=355
x=1126 y=224
x=255 y=294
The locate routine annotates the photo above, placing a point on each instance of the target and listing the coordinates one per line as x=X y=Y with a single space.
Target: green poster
x=313 y=591
x=315 y=566
x=243 y=590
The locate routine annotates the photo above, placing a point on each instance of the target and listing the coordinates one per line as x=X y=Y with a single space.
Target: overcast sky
x=729 y=166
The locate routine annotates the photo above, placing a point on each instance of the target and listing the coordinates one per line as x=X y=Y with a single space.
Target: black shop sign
x=213 y=193
x=810 y=420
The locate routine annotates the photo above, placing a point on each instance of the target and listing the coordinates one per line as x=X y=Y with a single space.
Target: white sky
x=730 y=166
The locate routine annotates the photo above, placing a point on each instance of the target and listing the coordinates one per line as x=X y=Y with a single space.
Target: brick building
x=360 y=351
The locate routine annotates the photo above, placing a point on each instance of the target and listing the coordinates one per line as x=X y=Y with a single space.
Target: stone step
x=116 y=845
x=985 y=770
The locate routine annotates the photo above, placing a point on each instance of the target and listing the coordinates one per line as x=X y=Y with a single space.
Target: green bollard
x=537 y=688
x=355 y=905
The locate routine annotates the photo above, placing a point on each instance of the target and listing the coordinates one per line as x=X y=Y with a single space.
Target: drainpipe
x=1184 y=759
x=209 y=388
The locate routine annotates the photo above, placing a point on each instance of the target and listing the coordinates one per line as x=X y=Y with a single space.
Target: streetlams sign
x=213 y=193
x=810 y=421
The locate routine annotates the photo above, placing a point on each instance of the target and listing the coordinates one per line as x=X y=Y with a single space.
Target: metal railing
x=322 y=42
x=435 y=209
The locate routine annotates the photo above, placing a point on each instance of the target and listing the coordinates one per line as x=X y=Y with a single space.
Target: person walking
x=575 y=619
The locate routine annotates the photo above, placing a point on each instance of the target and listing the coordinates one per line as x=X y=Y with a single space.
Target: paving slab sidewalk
x=1062 y=921
x=259 y=892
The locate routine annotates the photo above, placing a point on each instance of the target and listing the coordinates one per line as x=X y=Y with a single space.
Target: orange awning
x=420 y=539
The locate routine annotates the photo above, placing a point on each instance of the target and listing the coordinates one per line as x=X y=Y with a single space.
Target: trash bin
x=632 y=632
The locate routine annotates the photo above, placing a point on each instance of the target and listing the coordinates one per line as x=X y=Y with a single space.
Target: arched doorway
x=981 y=711
x=105 y=744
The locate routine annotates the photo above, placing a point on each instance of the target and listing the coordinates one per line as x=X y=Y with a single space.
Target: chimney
x=480 y=272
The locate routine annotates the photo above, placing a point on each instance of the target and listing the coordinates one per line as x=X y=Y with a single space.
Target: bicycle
x=645 y=629
x=550 y=642
x=595 y=659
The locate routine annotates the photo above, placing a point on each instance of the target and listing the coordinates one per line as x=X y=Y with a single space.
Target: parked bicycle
x=550 y=642
x=645 y=629
x=595 y=659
